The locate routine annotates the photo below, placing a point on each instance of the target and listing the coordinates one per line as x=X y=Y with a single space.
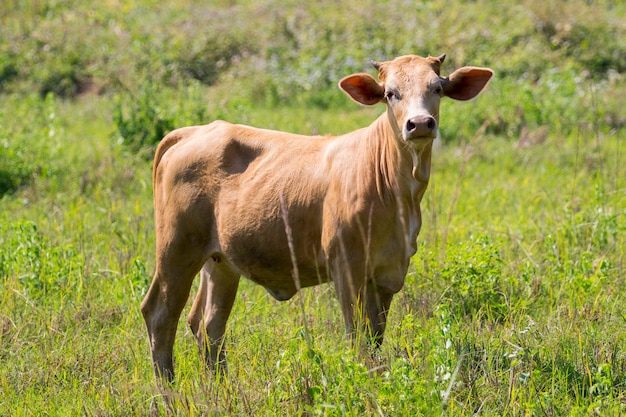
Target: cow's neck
x=421 y=167
x=416 y=159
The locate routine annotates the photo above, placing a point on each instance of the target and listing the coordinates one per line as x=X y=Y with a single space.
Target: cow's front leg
x=348 y=283
x=211 y=309
x=377 y=301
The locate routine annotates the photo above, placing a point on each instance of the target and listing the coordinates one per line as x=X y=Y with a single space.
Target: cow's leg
x=211 y=308
x=178 y=262
x=348 y=283
x=349 y=304
x=377 y=303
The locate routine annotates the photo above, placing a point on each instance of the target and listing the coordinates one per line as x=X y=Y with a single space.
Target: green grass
x=514 y=301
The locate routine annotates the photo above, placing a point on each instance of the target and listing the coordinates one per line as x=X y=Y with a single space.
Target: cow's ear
x=363 y=88
x=466 y=82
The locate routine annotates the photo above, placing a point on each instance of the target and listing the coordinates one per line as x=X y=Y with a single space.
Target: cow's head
x=412 y=88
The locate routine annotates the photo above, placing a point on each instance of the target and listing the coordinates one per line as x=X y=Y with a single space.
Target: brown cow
x=224 y=193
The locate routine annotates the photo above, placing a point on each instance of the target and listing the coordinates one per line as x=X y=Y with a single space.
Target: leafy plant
x=143 y=118
x=23 y=147
x=472 y=273
x=140 y=120
x=42 y=270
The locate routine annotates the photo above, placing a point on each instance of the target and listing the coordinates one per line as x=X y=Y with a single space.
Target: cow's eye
x=438 y=90
x=390 y=95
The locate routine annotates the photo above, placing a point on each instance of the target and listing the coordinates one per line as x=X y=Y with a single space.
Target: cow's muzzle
x=420 y=127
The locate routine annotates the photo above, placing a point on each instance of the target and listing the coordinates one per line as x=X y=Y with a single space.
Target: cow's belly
x=283 y=287
x=255 y=242
x=276 y=276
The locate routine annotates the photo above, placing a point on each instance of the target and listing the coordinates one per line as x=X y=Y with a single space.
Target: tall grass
x=514 y=301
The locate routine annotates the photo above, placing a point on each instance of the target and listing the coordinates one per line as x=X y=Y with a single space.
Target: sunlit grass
x=547 y=337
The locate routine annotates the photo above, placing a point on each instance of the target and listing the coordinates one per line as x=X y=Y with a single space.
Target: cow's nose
x=421 y=127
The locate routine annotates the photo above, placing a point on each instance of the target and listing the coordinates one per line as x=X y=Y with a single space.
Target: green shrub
x=140 y=120
x=42 y=269
x=8 y=70
x=65 y=80
x=596 y=47
x=26 y=149
x=212 y=53
x=143 y=118
x=472 y=273
x=13 y=170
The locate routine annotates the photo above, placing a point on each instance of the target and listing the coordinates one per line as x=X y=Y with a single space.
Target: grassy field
x=514 y=304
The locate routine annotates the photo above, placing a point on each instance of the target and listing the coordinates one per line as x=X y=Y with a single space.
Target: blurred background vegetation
x=287 y=51
x=559 y=64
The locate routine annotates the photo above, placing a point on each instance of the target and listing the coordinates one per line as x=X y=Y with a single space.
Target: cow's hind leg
x=211 y=308
x=177 y=264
